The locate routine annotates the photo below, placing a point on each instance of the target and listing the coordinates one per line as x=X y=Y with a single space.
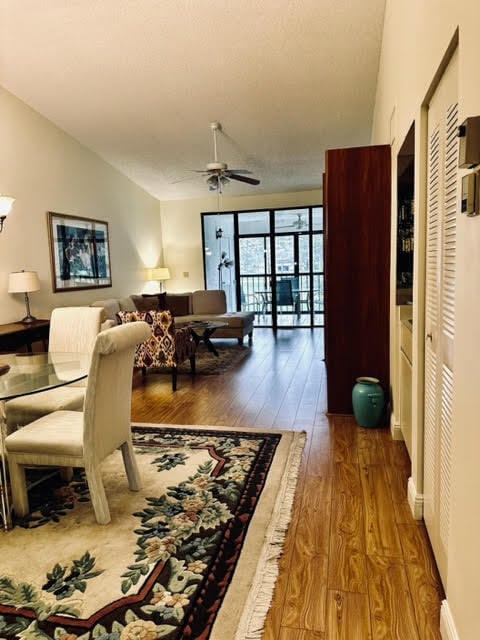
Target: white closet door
x=440 y=309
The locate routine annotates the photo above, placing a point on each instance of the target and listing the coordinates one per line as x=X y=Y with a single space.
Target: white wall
x=46 y=170
x=182 y=229
x=416 y=38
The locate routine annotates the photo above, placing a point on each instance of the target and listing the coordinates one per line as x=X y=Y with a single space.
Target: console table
x=16 y=335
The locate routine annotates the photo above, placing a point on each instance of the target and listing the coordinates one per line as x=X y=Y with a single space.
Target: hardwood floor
x=356 y=565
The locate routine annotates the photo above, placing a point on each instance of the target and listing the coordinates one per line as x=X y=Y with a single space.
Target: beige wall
x=46 y=170
x=417 y=35
x=182 y=229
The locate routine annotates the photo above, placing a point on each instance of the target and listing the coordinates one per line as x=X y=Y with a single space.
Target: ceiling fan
x=218 y=173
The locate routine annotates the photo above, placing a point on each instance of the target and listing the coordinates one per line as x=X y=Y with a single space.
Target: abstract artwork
x=79 y=252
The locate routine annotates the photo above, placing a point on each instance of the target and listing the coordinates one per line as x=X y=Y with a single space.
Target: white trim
x=395 y=428
x=415 y=500
x=447 y=625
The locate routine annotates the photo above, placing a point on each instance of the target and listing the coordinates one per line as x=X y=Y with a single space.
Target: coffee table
x=202 y=332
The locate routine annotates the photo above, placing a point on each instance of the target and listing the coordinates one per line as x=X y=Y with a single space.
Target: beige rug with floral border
x=192 y=555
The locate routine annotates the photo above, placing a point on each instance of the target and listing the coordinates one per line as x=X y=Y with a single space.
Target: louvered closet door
x=440 y=310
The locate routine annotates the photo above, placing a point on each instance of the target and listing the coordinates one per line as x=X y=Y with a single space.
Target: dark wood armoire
x=357 y=270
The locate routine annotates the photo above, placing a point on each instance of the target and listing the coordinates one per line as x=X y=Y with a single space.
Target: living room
x=46 y=169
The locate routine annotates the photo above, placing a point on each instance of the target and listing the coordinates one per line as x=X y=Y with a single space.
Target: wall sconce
x=6 y=203
x=160 y=274
x=24 y=282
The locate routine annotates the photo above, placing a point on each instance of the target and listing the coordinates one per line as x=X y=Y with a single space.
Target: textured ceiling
x=139 y=81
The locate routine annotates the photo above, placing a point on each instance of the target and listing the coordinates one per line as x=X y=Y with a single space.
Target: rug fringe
x=261 y=593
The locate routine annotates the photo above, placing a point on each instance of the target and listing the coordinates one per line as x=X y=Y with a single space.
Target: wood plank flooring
x=356 y=565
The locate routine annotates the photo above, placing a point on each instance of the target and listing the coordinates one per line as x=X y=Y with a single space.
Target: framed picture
x=79 y=252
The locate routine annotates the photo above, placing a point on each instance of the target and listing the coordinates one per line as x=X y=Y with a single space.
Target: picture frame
x=79 y=252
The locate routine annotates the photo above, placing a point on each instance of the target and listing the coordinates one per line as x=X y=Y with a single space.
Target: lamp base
x=28 y=319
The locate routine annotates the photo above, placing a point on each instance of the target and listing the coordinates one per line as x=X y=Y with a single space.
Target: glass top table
x=24 y=374
x=202 y=331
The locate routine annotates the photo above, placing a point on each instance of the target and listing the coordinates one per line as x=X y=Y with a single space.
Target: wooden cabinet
x=357 y=195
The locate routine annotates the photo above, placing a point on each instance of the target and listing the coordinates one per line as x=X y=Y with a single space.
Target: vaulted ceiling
x=140 y=81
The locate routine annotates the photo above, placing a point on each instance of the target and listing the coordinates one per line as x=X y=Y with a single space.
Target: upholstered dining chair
x=166 y=347
x=84 y=439
x=72 y=329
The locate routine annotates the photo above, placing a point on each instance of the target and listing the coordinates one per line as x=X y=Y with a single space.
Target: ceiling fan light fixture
x=218 y=172
x=216 y=166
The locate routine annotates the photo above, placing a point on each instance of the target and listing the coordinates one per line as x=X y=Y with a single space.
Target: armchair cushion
x=209 y=302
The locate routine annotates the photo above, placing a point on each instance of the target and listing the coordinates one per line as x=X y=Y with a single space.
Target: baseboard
x=395 y=428
x=447 y=626
x=415 y=500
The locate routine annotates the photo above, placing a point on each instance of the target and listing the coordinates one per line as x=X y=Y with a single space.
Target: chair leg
x=174 y=378
x=19 y=488
x=66 y=473
x=131 y=467
x=240 y=341
x=97 y=495
x=192 y=364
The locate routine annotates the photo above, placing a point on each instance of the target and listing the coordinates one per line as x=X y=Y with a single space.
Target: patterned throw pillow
x=159 y=349
x=167 y=346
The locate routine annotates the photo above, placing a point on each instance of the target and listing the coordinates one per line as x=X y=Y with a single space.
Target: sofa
x=202 y=305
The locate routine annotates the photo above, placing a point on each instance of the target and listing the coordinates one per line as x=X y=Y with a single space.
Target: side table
x=16 y=335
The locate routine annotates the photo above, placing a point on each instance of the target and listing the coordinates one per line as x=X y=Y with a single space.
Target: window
x=246 y=253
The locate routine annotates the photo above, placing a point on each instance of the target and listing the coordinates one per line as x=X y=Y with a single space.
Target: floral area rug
x=192 y=555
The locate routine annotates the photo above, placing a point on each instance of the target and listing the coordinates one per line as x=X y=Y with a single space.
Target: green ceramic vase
x=368 y=402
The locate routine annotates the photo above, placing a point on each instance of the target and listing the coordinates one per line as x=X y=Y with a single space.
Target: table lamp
x=160 y=274
x=24 y=282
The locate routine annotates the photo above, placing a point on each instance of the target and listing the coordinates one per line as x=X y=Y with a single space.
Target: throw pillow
x=178 y=305
x=161 y=297
x=148 y=303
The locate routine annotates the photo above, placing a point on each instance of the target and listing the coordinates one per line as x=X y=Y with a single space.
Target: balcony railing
x=256 y=296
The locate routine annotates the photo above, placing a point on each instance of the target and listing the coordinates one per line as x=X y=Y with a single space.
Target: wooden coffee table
x=202 y=332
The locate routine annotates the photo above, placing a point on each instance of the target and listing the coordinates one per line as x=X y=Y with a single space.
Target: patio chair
x=285 y=296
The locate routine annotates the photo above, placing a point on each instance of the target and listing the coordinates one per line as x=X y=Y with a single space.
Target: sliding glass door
x=269 y=262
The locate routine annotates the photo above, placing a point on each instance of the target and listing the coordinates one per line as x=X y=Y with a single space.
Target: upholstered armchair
x=85 y=438
x=167 y=347
x=72 y=329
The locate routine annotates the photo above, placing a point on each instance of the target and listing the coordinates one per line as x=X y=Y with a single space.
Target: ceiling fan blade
x=236 y=176
x=242 y=171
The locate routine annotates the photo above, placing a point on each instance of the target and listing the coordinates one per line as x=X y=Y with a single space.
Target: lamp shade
x=159 y=273
x=6 y=204
x=23 y=282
